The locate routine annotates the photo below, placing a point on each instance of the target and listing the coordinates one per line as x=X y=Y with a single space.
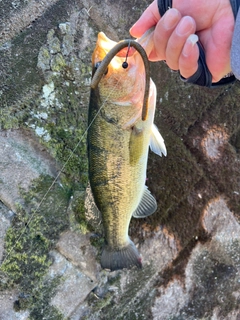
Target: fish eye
x=98 y=64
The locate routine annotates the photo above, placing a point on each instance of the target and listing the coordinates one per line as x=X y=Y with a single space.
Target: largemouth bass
x=118 y=144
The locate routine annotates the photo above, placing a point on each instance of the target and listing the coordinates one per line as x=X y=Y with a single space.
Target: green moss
x=45 y=53
x=78 y=210
x=53 y=42
x=35 y=229
x=14 y=116
x=40 y=301
x=58 y=63
x=64 y=109
x=8 y=120
x=99 y=304
x=114 y=279
x=128 y=305
x=68 y=143
x=97 y=241
x=8 y=117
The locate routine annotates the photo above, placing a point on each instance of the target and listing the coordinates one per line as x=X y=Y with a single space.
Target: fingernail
x=184 y=26
x=190 y=42
x=170 y=18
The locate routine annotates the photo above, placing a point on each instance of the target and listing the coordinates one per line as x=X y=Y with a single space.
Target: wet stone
x=74 y=288
x=44 y=59
x=21 y=160
x=75 y=247
x=7 y=312
x=53 y=42
x=210 y=288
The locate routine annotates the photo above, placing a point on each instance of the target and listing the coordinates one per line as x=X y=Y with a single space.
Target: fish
x=118 y=141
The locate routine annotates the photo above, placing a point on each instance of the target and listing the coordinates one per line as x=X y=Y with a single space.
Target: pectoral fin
x=147 y=205
x=156 y=142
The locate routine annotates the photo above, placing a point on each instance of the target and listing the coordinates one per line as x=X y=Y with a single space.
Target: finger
x=162 y=33
x=177 y=40
x=188 y=60
x=148 y=19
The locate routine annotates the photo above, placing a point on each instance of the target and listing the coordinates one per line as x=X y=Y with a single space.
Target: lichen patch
x=215 y=138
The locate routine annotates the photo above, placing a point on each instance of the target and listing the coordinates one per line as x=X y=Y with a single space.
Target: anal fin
x=147 y=205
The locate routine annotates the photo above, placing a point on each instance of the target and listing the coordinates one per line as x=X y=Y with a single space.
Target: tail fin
x=126 y=257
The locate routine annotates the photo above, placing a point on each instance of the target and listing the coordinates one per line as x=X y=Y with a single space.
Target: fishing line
x=58 y=175
x=125 y=64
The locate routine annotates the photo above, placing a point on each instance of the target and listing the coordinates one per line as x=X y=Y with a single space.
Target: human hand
x=213 y=22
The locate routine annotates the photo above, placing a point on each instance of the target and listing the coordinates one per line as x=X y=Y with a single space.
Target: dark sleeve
x=235 y=48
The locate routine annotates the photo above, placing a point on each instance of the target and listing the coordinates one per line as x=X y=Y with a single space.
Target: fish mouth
x=104 y=45
x=108 y=59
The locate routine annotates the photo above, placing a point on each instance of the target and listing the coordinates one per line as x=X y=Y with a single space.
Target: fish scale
x=118 y=144
x=110 y=178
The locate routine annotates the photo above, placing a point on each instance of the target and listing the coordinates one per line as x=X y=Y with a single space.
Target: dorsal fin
x=147 y=205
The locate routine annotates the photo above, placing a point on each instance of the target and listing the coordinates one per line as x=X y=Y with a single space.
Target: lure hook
x=111 y=54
